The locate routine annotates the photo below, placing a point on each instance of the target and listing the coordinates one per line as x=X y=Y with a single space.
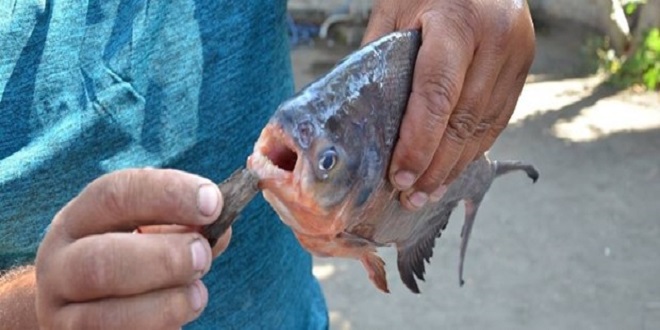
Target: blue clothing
x=88 y=87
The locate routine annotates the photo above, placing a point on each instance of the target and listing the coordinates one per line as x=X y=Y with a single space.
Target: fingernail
x=199 y=255
x=438 y=193
x=208 y=198
x=418 y=199
x=404 y=179
x=195 y=295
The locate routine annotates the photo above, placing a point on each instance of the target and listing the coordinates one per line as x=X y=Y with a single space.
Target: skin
x=469 y=73
x=93 y=272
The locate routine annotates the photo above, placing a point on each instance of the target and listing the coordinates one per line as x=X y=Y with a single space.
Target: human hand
x=470 y=71
x=94 y=273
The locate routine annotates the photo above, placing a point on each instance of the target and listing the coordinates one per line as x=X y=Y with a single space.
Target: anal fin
x=419 y=248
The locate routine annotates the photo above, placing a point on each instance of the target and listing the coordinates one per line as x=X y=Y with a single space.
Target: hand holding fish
x=469 y=73
x=93 y=272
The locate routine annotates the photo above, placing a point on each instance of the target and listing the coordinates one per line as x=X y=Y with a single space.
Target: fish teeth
x=264 y=166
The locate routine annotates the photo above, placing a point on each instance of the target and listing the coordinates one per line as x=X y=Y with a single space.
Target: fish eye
x=328 y=159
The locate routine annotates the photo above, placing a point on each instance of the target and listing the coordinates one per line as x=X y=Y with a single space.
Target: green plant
x=643 y=65
x=639 y=64
x=639 y=67
x=631 y=6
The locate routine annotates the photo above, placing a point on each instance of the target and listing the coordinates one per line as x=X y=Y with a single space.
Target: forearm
x=17 y=299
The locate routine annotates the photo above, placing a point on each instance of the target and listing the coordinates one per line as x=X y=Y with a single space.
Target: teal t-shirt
x=88 y=87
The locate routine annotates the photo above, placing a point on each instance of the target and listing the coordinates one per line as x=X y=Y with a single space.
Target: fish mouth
x=275 y=156
x=280 y=165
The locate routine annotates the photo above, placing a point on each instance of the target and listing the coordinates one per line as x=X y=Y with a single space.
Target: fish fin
x=504 y=167
x=471 y=208
x=412 y=253
x=375 y=267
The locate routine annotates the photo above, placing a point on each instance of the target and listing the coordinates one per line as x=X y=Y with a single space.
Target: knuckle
x=90 y=320
x=113 y=192
x=84 y=316
x=464 y=16
x=466 y=19
x=175 y=307
x=414 y=160
x=409 y=155
x=73 y=319
x=381 y=10
x=504 y=22
x=167 y=193
x=496 y=129
x=170 y=198
x=453 y=175
x=432 y=180
x=482 y=129
x=173 y=260
x=470 y=18
x=438 y=93
x=461 y=126
x=97 y=266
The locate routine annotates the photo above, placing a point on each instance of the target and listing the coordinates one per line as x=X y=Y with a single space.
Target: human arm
x=93 y=272
x=17 y=293
x=470 y=70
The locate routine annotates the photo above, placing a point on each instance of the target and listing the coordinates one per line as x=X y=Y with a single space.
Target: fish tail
x=504 y=167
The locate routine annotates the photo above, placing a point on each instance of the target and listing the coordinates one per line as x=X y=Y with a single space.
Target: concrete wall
x=588 y=12
x=593 y=13
x=606 y=16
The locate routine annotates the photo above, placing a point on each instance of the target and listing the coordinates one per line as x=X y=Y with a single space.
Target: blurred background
x=578 y=250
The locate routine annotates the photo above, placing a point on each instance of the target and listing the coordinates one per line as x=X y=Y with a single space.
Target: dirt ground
x=578 y=250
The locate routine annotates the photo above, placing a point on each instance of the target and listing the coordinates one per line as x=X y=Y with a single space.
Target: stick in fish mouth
x=237 y=192
x=277 y=159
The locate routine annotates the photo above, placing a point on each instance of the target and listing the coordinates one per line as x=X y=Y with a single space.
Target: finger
x=512 y=79
x=166 y=229
x=439 y=73
x=503 y=103
x=124 y=200
x=490 y=69
x=220 y=246
x=459 y=142
x=381 y=21
x=164 y=309
x=123 y=264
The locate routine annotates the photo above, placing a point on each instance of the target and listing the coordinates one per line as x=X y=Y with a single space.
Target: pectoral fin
x=375 y=267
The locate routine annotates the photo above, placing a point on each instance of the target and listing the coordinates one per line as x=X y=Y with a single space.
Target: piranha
x=322 y=162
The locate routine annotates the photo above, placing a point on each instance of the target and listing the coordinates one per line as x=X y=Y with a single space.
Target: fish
x=323 y=156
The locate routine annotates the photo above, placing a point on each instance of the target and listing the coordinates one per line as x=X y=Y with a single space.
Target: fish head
x=325 y=151
x=308 y=169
